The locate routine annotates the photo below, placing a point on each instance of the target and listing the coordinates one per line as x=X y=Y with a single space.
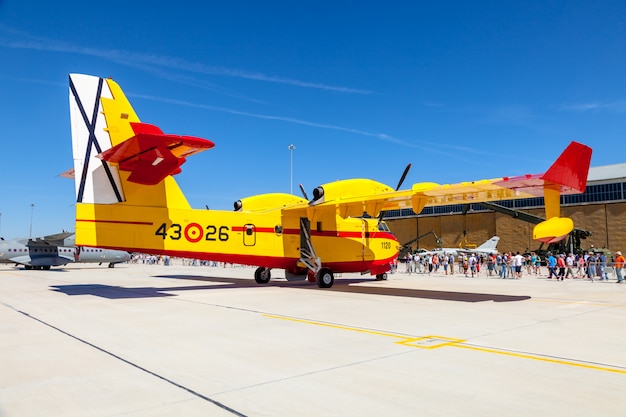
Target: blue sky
x=462 y=90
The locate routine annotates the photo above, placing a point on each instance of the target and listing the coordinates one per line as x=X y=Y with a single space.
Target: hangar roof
x=607 y=172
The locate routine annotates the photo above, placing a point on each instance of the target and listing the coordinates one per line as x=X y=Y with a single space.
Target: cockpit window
x=382 y=226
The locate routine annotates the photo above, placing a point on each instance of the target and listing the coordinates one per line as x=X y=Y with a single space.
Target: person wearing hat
x=619 y=264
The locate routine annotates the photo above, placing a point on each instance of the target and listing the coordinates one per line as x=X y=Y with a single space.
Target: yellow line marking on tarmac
x=433 y=342
x=544 y=359
x=428 y=342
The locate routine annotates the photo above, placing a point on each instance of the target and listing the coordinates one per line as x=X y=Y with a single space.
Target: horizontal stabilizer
x=151 y=155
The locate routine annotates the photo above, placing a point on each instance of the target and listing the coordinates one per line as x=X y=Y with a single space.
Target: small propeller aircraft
x=55 y=250
x=127 y=198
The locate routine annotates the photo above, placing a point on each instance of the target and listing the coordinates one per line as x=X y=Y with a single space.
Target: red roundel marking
x=193 y=232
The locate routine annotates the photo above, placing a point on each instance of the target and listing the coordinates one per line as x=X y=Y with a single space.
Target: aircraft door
x=305 y=233
x=307 y=251
x=249 y=235
x=366 y=252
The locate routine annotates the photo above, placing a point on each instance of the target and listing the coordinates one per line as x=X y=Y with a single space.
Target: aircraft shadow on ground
x=341 y=285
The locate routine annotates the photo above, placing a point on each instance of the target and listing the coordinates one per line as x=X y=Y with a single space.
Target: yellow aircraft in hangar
x=127 y=198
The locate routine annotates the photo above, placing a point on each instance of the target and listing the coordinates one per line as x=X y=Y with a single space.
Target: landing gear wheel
x=111 y=265
x=381 y=277
x=262 y=275
x=325 y=278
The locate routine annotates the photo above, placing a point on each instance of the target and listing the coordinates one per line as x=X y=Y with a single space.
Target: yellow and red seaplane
x=127 y=198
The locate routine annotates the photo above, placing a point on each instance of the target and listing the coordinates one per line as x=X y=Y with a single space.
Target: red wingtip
x=571 y=167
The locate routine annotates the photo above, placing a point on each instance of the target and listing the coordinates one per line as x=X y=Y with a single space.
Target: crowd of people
x=145 y=259
x=588 y=265
x=594 y=266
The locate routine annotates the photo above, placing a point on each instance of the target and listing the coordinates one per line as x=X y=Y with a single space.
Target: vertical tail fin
x=489 y=244
x=118 y=159
x=122 y=168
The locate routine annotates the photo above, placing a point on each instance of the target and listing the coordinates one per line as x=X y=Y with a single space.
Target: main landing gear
x=262 y=275
x=324 y=278
x=29 y=267
x=381 y=277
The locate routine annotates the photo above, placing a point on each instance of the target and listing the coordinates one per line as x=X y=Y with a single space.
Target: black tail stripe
x=93 y=141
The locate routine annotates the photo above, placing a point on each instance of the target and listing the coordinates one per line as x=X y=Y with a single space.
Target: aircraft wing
x=56 y=239
x=440 y=251
x=419 y=196
x=567 y=175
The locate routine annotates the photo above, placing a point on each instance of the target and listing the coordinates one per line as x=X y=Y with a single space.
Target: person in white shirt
x=518 y=262
x=569 y=262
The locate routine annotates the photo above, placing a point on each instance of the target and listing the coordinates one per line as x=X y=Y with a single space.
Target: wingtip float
x=567 y=175
x=128 y=199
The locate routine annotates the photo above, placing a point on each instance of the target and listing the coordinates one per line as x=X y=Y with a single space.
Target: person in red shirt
x=619 y=264
x=560 y=262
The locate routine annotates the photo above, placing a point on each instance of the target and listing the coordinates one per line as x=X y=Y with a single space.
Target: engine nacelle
x=265 y=202
x=345 y=189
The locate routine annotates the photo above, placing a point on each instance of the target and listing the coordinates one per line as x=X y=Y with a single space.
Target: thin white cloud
x=157 y=63
x=193 y=82
x=610 y=106
x=449 y=151
x=380 y=136
x=132 y=58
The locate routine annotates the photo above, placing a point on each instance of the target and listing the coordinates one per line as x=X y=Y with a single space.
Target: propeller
x=402 y=178
x=406 y=171
x=303 y=192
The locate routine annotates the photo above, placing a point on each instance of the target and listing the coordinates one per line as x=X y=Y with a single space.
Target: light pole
x=30 y=234
x=291 y=148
